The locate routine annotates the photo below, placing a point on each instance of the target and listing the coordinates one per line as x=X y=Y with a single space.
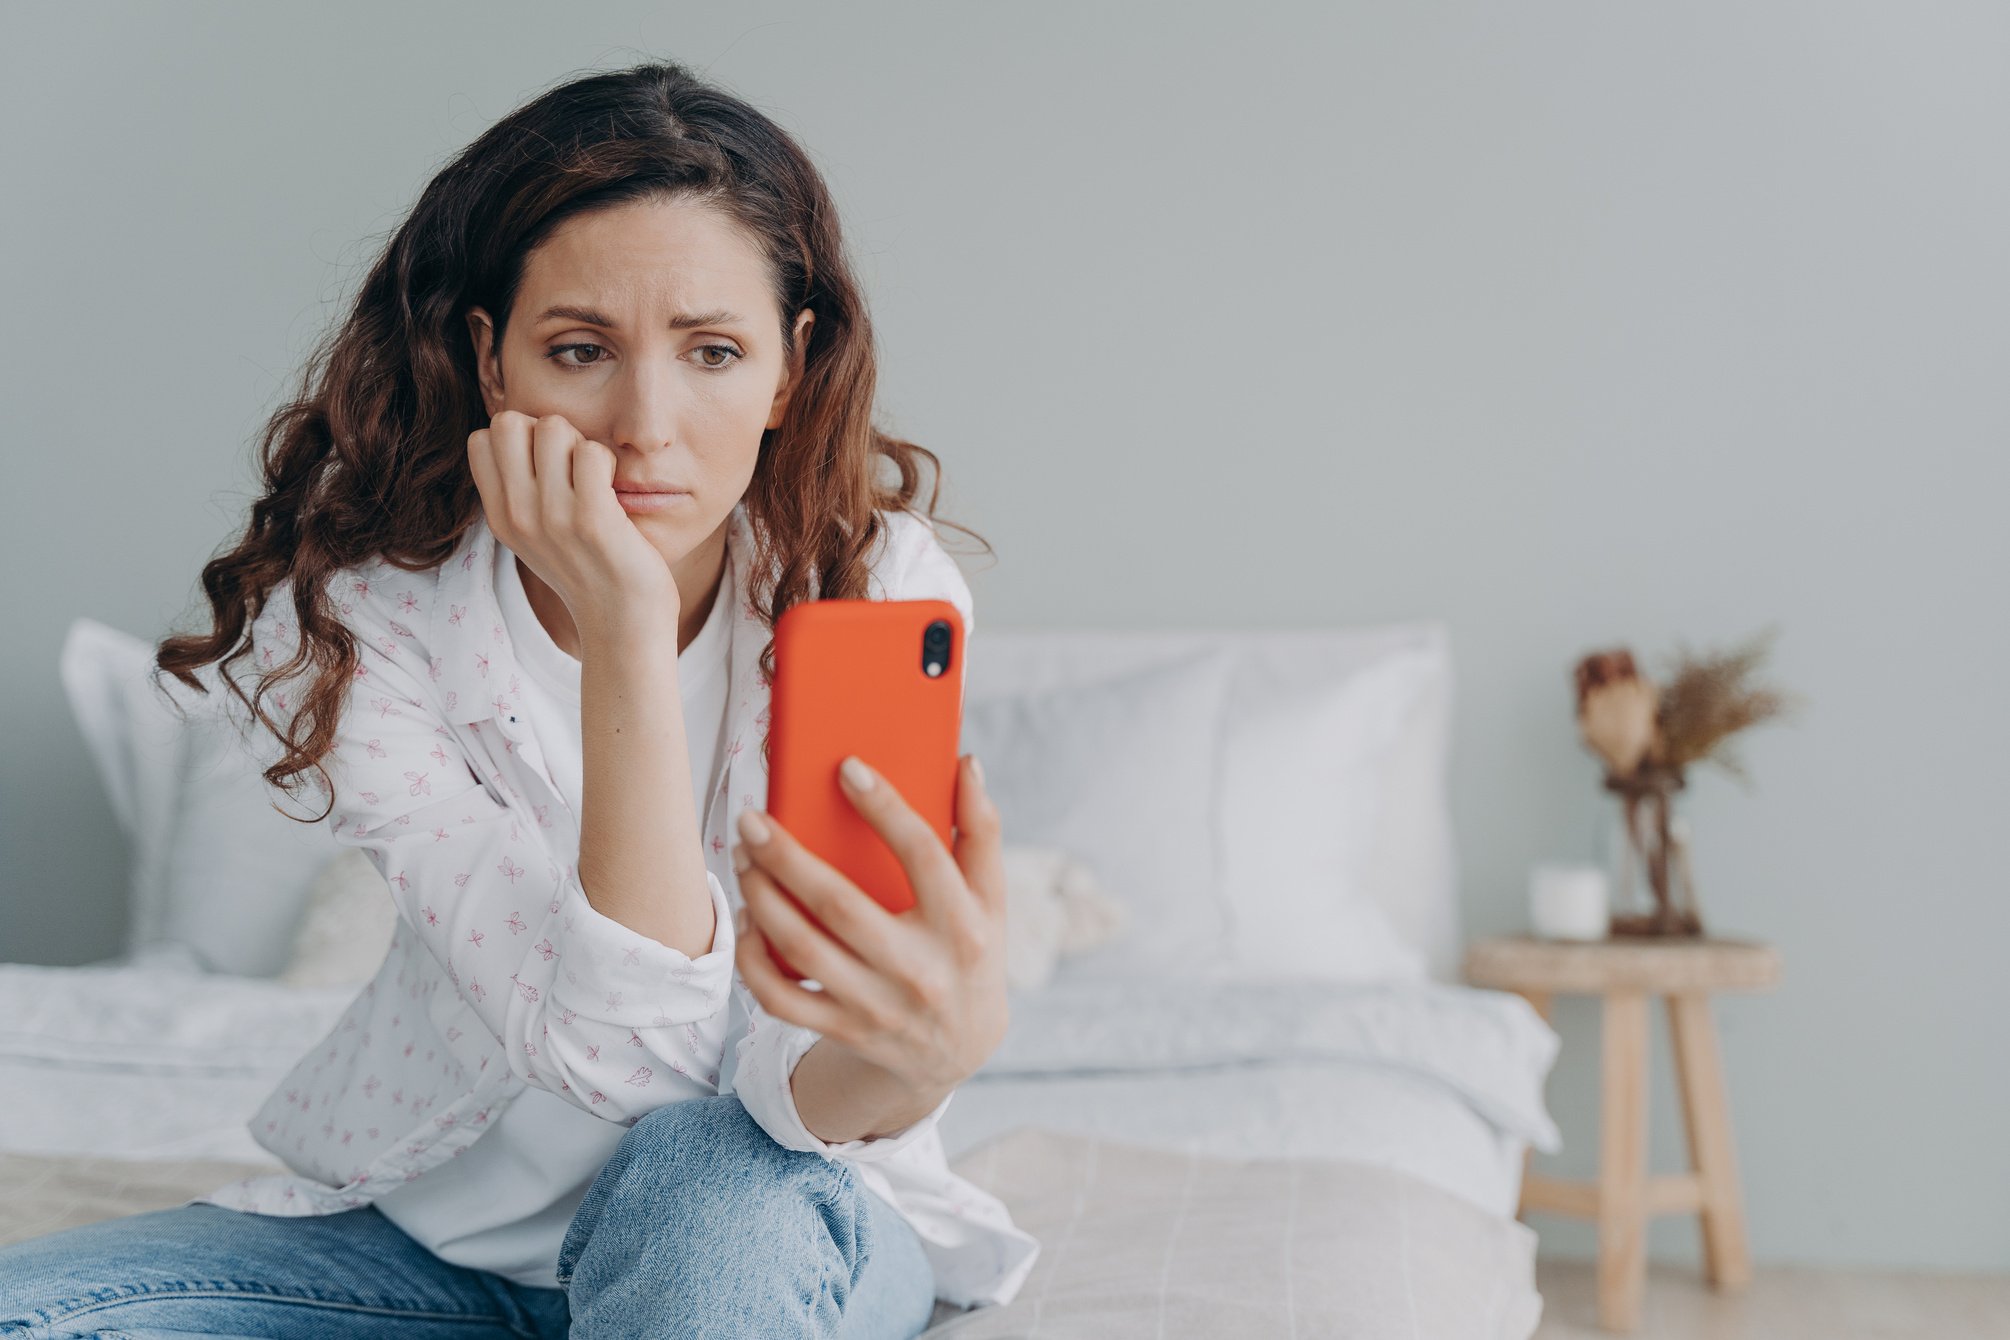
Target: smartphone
x=882 y=679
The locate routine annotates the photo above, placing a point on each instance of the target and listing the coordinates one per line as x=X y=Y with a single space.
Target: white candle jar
x=1569 y=902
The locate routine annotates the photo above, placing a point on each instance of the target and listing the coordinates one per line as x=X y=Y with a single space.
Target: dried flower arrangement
x=1648 y=735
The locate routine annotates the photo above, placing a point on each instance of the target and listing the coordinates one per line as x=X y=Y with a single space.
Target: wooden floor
x=1784 y=1304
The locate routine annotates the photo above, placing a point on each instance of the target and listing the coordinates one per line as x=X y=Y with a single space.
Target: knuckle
x=936 y=863
x=792 y=863
x=794 y=936
x=758 y=888
x=790 y=935
x=930 y=992
x=910 y=837
x=839 y=919
x=969 y=939
x=878 y=1017
x=985 y=821
x=913 y=828
x=776 y=863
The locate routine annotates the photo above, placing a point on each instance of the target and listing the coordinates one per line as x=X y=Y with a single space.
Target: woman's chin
x=671 y=538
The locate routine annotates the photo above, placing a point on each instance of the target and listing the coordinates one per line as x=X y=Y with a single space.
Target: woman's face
x=651 y=327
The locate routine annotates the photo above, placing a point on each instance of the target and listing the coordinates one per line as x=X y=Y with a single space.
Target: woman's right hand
x=548 y=492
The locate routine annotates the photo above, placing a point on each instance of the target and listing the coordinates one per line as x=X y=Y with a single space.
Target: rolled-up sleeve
x=768 y=1052
x=583 y=1006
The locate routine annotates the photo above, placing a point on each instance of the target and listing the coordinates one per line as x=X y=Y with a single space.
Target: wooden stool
x=1626 y=972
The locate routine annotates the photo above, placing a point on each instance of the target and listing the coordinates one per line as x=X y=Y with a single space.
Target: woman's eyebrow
x=680 y=321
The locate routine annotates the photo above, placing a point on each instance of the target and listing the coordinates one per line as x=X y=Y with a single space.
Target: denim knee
x=706 y=1160
x=718 y=1122
x=716 y=1140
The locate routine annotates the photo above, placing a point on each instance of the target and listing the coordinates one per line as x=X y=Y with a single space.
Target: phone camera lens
x=935 y=648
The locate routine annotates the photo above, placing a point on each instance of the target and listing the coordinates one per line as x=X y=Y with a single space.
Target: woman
x=601 y=413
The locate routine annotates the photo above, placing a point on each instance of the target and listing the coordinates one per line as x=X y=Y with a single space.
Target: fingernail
x=752 y=829
x=742 y=858
x=856 y=772
x=977 y=769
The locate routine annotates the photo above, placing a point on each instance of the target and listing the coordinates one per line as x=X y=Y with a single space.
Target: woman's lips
x=636 y=501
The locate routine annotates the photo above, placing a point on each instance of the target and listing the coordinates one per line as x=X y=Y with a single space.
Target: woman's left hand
x=921 y=994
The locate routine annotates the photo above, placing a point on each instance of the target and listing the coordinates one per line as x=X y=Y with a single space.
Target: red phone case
x=850 y=678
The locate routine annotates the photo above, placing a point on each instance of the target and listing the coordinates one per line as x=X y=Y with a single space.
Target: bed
x=1257 y=1105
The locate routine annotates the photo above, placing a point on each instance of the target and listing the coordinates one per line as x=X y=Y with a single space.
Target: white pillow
x=1336 y=841
x=135 y=742
x=1305 y=789
x=1412 y=875
x=348 y=927
x=214 y=866
x=1122 y=774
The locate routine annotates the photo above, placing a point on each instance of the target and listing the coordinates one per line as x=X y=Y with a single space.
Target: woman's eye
x=563 y=348
x=731 y=356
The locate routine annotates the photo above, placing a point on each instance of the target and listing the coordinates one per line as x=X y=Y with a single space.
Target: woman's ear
x=488 y=361
x=794 y=372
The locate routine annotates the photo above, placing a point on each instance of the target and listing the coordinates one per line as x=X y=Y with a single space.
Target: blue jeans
x=700 y=1225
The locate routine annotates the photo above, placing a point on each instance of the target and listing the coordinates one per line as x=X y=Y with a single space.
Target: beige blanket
x=1134 y=1241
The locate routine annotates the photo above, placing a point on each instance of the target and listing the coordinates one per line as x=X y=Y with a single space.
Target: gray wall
x=1572 y=324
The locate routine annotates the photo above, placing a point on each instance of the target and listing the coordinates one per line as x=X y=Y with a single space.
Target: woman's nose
x=644 y=417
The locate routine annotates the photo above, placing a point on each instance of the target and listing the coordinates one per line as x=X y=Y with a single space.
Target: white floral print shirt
x=500 y=974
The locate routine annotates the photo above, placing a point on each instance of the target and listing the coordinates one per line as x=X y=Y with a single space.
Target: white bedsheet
x=1268 y=1109
x=1441 y=1082
x=147 y=1062
x=1444 y=1083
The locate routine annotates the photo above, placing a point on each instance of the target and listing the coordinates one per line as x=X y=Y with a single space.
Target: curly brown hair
x=369 y=459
